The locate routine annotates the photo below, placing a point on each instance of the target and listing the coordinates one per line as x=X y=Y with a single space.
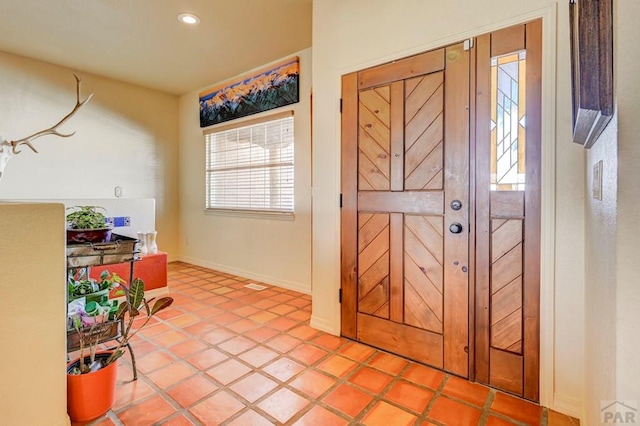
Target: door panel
x=424 y=346
x=424 y=132
x=507 y=371
x=423 y=279
x=373 y=264
x=374 y=137
x=507 y=216
x=398 y=299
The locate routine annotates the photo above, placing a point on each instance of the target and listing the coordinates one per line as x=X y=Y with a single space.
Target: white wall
x=32 y=318
x=612 y=317
x=352 y=35
x=125 y=136
x=600 y=285
x=628 y=244
x=140 y=211
x=272 y=250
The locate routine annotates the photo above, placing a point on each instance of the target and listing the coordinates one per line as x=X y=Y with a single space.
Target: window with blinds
x=250 y=168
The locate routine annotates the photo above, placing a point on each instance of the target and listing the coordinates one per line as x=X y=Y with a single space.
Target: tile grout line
x=282 y=355
x=486 y=408
x=187 y=282
x=378 y=397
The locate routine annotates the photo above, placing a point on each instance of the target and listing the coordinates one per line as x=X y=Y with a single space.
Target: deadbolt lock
x=455 y=228
x=456 y=204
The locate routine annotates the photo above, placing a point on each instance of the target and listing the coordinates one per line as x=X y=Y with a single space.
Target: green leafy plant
x=86 y=217
x=134 y=305
x=80 y=284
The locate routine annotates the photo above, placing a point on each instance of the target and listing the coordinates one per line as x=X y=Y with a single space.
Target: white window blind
x=251 y=167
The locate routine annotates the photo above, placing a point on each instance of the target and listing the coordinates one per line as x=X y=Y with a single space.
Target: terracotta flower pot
x=91 y=395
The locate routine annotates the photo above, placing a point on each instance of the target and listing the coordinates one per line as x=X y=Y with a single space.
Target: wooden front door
x=405 y=192
x=440 y=220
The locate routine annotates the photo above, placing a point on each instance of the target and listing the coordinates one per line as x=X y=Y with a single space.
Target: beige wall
x=351 y=35
x=276 y=251
x=32 y=318
x=125 y=136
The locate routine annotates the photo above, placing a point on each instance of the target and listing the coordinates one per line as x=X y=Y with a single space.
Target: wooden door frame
x=548 y=14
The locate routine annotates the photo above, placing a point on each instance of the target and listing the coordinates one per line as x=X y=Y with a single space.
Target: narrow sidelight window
x=508 y=122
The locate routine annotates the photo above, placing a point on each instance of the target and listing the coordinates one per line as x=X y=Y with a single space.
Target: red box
x=151 y=268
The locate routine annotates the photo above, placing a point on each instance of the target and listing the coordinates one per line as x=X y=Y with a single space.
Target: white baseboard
x=323 y=325
x=567 y=405
x=289 y=285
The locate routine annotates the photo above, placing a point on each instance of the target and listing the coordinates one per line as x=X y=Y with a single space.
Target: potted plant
x=91 y=379
x=87 y=224
x=79 y=284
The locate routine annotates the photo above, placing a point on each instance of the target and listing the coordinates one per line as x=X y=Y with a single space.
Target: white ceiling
x=142 y=42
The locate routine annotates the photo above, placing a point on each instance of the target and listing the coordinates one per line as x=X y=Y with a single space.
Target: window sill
x=250 y=214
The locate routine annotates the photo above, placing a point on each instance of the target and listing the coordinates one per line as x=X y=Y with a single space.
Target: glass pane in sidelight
x=508 y=122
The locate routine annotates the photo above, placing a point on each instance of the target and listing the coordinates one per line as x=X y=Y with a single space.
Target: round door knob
x=455 y=228
x=456 y=204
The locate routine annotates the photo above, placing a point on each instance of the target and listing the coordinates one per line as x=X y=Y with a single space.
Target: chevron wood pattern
x=506 y=284
x=374 y=135
x=423 y=283
x=396 y=254
x=424 y=129
x=373 y=264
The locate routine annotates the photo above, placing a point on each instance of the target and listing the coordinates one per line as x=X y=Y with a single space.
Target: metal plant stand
x=119 y=249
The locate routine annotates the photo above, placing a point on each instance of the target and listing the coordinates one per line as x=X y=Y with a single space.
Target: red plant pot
x=91 y=395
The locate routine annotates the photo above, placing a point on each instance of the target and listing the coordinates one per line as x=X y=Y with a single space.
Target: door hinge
x=340 y=296
x=468 y=44
x=340 y=105
x=340 y=200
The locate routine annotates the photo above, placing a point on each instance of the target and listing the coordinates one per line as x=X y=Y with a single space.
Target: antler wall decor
x=8 y=149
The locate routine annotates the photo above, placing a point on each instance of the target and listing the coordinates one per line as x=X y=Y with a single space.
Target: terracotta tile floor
x=224 y=354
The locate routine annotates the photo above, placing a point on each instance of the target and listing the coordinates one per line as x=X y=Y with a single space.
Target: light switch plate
x=596 y=182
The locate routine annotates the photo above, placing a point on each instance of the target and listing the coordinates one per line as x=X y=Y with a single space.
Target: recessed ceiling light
x=188 y=18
